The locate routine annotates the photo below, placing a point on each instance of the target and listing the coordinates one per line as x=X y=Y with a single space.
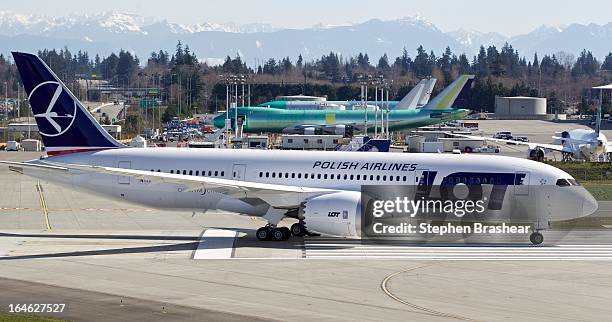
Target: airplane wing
x=278 y=196
x=18 y=166
x=531 y=145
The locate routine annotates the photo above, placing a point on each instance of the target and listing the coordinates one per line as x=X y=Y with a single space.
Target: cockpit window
x=567 y=182
x=563 y=183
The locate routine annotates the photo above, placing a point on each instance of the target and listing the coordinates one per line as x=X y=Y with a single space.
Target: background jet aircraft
x=577 y=144
x=447 y=106
x=417 y=97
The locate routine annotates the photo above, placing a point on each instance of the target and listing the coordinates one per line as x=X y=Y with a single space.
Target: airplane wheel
x=263 y=234
x=278 y=234
x=287 y=232
x=536 y=238
x=298 y=230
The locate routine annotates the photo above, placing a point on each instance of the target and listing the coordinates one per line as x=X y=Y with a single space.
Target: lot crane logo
x=60 y=109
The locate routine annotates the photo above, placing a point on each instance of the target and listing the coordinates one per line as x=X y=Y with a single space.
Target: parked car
x=504 y=135
x=518 y=139
x=487 y=149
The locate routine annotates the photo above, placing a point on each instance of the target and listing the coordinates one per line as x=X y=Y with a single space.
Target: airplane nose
x=589 y=204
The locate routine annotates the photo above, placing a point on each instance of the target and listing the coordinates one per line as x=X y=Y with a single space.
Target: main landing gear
x=269 y=232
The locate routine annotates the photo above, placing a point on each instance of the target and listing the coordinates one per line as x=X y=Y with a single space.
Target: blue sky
x=507 y=17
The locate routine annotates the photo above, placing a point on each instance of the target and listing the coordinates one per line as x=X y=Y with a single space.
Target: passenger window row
x=332 y=176
x=210 y=173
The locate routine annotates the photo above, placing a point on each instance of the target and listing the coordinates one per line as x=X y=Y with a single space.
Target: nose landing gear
x=536 y=238
x=298 y=230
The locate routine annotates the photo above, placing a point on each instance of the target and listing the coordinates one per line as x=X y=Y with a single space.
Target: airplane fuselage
x=313 y=105
x=261 y=119
x=342 y=171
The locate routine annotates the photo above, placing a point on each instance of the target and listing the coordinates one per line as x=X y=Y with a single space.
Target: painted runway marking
x=43 y=205
x=216 y=244
x=323 y=249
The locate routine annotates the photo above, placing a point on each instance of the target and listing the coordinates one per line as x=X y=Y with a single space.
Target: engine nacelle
x=335 y=214
x=310 y=131
x=536 y=154
x=340 y=129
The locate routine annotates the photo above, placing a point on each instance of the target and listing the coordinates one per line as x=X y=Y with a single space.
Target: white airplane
x=312 y=187
x=577 y=144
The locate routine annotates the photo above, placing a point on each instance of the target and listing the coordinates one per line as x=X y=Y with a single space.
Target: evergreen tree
x=463 y=65
x=607 y=64
x=536 y=63
x=422 y=68
x=383 y=63
x=300 y=62
x=586 y=64
x=403 y=62
x=481 y=66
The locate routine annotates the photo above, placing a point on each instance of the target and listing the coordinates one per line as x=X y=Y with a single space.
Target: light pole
x=249 y=89
x=18 y=105
x=375 y=109
x=6 y=111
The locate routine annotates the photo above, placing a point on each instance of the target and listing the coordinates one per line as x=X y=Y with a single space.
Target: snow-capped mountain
x=108 y=32
x=473 y=39
x=113 y=22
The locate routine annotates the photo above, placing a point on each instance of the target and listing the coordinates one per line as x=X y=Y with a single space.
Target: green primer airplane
x=448 y=105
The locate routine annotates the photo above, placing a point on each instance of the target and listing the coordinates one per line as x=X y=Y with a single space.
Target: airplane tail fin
x=64 y=124
x=454 y=96
x=411 y=100
x=426 y=94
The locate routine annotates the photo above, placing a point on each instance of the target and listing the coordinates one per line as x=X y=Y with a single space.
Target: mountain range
x=108 y=32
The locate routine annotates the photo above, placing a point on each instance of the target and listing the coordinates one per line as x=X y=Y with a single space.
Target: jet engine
x=536 y=154
x=310 y=131
x=340 y=129
x=335 y=214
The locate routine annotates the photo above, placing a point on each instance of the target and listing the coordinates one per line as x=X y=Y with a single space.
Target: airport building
x=24 y=128
x=522 y=108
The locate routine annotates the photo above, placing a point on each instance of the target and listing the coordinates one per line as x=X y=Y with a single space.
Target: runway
x=226 y=244
x=338 y=250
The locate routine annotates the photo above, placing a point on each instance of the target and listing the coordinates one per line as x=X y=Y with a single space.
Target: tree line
x=199 y=87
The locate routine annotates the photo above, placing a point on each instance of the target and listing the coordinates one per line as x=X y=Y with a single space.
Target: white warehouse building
x=521 y=108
